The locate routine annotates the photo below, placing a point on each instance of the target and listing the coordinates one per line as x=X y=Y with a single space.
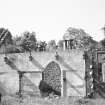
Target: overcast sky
x=51 y=18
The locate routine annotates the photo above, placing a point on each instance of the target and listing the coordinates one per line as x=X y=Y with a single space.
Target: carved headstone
x=52 y=76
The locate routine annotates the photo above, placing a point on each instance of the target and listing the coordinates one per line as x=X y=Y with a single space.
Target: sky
x=51 y=18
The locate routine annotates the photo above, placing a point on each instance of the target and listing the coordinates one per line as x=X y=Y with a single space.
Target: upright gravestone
x=52 y=76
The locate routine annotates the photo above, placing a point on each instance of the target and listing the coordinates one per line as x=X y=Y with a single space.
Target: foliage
x=29 y=41
x=8 y=42
x=102 y=42
x=80 y=38
x=89 y=43
x=73 y=33
x=99 y=46
x=44 y=88
x=52 y=45
x=14 y=49
x=41 y=45
x=5 y=37
x=17 y=40
x=60 y=44
x=26 y=41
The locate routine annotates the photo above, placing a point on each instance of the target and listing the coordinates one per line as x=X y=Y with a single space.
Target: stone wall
x=70 y=61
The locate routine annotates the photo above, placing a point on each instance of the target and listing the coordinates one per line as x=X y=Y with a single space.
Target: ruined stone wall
x=70 y=61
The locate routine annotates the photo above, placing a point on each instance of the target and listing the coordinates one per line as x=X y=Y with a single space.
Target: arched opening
x=52 y=77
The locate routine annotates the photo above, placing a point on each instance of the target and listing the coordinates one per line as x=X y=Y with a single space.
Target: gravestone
x=52 y=76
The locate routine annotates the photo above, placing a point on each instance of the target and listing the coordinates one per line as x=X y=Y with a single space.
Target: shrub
x=44 y=88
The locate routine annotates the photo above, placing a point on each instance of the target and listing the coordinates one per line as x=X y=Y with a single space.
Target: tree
x=5 y=37
x=102 y=42
x=52 y=45
x=60 y=44
x=28 y=41
x=17 y=40
x=41 y=45
x=79 y=37
x=103 y=28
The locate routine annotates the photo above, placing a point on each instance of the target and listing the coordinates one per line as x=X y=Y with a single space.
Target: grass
x=27 y=100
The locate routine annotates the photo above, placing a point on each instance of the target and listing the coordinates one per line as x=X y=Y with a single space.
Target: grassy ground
x=7 y=100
